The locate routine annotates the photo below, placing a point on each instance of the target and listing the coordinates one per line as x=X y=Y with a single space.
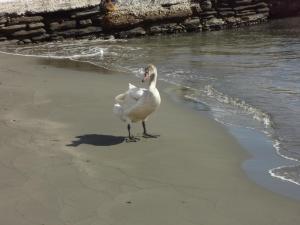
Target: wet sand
x=63 y=158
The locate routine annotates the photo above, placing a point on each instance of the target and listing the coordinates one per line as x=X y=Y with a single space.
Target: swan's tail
x=118 y=111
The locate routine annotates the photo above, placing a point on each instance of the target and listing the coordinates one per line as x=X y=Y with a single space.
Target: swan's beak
x=146 y=77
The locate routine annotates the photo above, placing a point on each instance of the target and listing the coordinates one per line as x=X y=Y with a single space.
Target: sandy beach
x=63 y=158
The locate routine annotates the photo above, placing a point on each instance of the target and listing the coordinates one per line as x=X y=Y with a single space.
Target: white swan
x=137 y=104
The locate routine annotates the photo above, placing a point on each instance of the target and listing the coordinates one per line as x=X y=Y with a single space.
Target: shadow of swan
x=97 y=140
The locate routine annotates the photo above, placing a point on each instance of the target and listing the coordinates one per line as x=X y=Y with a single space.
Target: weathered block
x=89 y=30
x=40 y=38
x=36 y=25
x=63 y=25
x=246 y=7
x=79 y=32
x=206 y=4
x=3 y=20
x=208 y=13
x=127 y=18
x=227 y=13
x=246 y=13
x=243 y=2
x=224 y=9
x=25 y=19
x=98 y=20
x=28 y=33
x=12 y=28
x=55 y=37
x=85 y=14
x=85 y=23
x=196 y=8
x=263 y=10
x=261 y=4
x=135 y=32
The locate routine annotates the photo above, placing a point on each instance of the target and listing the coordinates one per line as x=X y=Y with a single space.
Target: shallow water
x=246 y=78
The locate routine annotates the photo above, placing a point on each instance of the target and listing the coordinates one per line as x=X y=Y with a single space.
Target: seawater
x=247 y=78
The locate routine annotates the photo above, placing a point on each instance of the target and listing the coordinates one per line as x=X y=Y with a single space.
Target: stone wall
x=125 y=22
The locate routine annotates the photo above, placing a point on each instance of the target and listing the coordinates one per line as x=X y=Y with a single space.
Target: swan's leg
x=130 y=137
x=128 y=128
x=145 y=134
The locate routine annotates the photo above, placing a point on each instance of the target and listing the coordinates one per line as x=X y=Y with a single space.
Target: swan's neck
x=152 y=84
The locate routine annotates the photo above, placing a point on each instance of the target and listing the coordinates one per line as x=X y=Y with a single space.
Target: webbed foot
x=132 y=139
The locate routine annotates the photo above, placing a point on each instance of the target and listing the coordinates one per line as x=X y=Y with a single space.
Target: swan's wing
x=135 y=92
x=131 y=86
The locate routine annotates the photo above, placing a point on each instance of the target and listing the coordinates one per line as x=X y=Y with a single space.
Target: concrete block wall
x=127 y=22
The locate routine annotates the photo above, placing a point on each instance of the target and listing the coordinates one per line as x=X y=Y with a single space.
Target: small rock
x=214 y=24
x=155 y=30
x=192 y=24
x=174 y=28
x=27 y=41
x=109 y=37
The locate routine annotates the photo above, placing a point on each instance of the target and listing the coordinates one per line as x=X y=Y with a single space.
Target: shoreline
x=263 y=157
x=189 y=175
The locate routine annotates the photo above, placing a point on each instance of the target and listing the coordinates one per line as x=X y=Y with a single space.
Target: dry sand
x=190 y=175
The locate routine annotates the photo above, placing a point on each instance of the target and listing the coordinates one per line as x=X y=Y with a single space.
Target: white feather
x=136 y=104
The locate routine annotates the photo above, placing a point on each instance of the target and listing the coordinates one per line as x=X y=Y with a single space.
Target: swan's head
x=150 y=73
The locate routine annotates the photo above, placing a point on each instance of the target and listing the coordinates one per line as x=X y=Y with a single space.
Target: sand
x=63 y=158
